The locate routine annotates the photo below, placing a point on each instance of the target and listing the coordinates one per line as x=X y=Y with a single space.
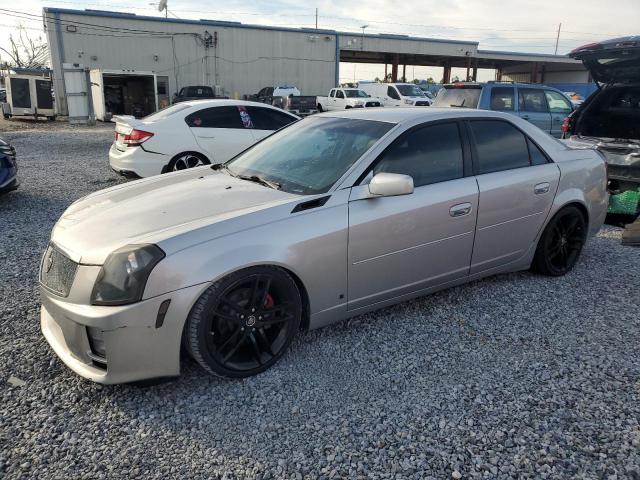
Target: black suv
x=609 y=120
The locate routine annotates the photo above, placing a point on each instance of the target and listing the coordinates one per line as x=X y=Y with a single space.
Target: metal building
x=243 y=58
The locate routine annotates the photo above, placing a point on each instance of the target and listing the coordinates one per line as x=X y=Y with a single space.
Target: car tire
x=243 y=324
x=561 y=243
x=320 y=109
x=186 y=160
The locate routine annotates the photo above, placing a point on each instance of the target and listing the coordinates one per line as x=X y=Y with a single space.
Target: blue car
x=545 y=107
x=8 y=167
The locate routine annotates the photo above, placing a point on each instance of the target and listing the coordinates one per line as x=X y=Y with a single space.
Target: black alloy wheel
x=186 y=160
x=561 y=243
x=244 y=323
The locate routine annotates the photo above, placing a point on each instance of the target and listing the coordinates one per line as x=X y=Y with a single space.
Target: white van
x=397 y=94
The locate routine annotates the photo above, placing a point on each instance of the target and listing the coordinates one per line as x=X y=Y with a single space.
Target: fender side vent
x=316 y=202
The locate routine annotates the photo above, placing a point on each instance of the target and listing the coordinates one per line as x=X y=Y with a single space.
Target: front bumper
x=136 y=346
x=136 y=161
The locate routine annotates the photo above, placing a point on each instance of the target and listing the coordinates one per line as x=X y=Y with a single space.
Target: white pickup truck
x=343 y=98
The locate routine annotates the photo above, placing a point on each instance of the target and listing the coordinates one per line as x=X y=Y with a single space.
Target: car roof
x=224 y=102
x=400 y=115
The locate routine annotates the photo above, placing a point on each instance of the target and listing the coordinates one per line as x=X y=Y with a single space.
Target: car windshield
x=308 y=157
x=410 y=90
x=166 y=112
x=355 y=93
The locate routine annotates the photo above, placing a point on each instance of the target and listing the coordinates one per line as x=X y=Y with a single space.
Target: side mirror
x=390 y=184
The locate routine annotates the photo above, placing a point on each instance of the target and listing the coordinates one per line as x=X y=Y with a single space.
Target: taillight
x=136 y=137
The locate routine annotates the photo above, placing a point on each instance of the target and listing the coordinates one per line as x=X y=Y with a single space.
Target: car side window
x=332 y=93
x=269 y=92
x=339 y=94
x=430 y=154
x=268 y=119
x=499 y=146
x=181 y=94
x=391 y=92
x=536 y=155
x=557 y=102
x=532 y=100
x=502 y=99
x=216 y=117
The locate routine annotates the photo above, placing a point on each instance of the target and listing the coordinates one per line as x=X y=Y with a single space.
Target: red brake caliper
x=268 y=302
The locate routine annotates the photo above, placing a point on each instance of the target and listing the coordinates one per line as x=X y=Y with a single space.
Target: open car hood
x=612 y=61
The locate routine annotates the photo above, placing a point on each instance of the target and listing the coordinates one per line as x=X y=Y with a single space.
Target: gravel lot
x=513 y=376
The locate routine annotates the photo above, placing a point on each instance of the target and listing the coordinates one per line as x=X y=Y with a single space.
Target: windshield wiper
x=260 y=180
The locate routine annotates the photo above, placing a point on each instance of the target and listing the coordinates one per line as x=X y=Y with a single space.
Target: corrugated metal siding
x=244 y=61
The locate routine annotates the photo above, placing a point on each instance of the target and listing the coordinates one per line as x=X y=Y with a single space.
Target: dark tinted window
x=391 y=92
x=500 y=146
x=429 y=155
x=20 y=93
x=215 y=117
x=339 y=94
x=531 y=100
x=197 y=92
x=537 y=157
x=502 y=99
x=268 y=119
x=458 y=97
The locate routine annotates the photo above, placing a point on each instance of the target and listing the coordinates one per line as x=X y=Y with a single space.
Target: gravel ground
x=513 y=376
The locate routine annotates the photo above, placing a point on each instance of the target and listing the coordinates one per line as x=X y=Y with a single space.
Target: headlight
x=408 y=102
x=124 y=275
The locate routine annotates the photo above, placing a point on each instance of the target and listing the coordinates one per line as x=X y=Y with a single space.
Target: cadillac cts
x=333 y=216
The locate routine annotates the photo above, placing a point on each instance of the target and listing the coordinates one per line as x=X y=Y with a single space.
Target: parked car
x=287 y=98
x=543 y=106
x=397 y=94
x=334 y=216
x=190 y=134
x=609 y=120
x=194 y=92
x=345 y=98
x=8 y=167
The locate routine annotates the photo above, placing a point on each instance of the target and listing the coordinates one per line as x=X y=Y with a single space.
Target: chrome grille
x=57 y=271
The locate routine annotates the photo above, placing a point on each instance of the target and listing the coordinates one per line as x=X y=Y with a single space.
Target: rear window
x=458 y=97
x=167 y=112
x=197 y=92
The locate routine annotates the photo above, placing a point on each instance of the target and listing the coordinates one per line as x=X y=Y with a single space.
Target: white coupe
x=191 y=133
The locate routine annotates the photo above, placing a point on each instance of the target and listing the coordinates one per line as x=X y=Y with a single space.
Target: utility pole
x=557 y=39
x=316 y=18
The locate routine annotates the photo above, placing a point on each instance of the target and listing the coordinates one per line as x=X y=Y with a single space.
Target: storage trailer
x=28 y=96
x=123 y=92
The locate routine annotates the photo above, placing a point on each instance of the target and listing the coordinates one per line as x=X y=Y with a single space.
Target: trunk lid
x=612 y=61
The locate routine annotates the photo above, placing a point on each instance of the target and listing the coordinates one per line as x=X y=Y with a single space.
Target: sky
x=510 y=25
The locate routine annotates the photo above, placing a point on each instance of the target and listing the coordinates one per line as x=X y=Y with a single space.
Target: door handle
x=541 y=188
x=460 y=210
x=526 y=117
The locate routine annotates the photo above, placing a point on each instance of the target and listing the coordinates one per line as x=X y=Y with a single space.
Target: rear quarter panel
x=583 y=179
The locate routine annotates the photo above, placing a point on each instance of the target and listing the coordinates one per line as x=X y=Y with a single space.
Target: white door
x=77 y=97
x=392 y=99
x=221 y=132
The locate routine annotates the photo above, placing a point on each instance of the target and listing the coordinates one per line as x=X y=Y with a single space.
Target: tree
x=24 y=51
x=430 y=80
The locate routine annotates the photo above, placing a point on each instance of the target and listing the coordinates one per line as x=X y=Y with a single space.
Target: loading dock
x=123 y=92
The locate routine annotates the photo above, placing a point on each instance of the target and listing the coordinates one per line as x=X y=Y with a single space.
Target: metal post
x=316 y=18
x=557 y=39
x=394 y=68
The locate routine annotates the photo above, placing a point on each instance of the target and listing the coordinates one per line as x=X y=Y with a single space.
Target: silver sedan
x=334 y=216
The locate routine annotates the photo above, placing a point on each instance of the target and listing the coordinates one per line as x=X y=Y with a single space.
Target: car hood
x=154 y=209
x=613 y=61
